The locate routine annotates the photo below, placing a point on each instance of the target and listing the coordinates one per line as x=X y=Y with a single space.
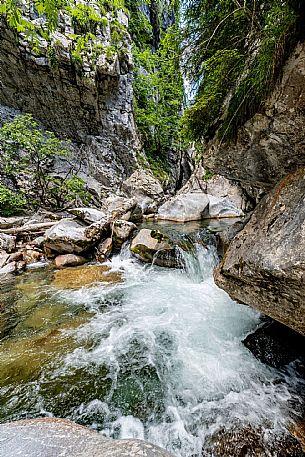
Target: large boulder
x=265 y=264
x=184 y=208
x=143 y=184
x=123 y=208
x=51 y=437
x=221 y=208
x=194 y=206
x=203 y=180
x=152 y=246
x=68 y=236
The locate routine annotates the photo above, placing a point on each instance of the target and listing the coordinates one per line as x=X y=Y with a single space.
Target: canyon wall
x=272 y=143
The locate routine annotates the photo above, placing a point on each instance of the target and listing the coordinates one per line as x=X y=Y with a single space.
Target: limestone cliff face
x=271 y=144
x=88 y=101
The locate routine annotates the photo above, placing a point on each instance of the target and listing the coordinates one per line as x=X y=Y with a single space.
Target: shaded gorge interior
x=135 y=350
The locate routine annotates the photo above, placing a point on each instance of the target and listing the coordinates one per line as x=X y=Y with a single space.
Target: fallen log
x=31 y=228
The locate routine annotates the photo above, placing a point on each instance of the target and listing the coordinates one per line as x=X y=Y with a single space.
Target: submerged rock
x=68 y=236
x=155 y=247
x=75 y=278
x=275 y=344
x=49 y=437
x=265 y=264
x=251 y=442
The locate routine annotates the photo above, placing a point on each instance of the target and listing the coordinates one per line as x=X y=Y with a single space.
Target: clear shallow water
x=157 y=356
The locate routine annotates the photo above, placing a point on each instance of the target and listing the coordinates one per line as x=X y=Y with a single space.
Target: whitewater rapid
x=177 y=339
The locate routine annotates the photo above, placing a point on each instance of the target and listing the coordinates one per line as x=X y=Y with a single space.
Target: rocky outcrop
x=88 y=99
x=195 y=206
x=54 y=437
x=271 y=144
x=265 y=264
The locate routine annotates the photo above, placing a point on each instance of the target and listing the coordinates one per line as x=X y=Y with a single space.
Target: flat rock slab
x=62 y=438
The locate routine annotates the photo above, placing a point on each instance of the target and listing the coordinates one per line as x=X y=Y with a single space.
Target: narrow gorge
x=152 y=211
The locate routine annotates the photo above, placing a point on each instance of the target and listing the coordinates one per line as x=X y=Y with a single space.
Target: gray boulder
x=152 y=246
x=8 y=269
x=185 y=207
x=221 y=207
x=265 y=264
x=88 y=215
x=7 y=242
x=68 y=236
x=143 y=184
x=123 y=208
x=51 y=437
x=122 y=231
x=194 y=206
x=4 y=256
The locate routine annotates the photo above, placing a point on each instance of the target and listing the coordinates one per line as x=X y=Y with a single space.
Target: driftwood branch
x=26 y=229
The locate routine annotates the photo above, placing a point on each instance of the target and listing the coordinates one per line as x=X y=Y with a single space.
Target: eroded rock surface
x=271 y=144
x=54 y=437
x=265 y=264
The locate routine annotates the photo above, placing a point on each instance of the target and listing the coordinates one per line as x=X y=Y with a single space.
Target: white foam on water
x=190 y=332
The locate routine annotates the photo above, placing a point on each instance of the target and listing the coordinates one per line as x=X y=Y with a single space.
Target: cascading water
x=159 y=357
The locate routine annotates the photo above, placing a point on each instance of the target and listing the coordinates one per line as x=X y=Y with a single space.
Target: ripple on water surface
x=156 y=355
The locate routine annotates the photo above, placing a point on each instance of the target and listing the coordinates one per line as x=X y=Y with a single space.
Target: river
x=155 y=354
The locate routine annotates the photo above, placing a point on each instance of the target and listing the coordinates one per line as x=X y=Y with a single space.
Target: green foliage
x=27 y=157
x=208 y=175
x=88 y=21
x=158 y=84
x=235 y=52
x=10 y=202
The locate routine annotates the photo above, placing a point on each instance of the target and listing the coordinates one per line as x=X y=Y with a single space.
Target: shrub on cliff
x=27 y=156
x=234 y=54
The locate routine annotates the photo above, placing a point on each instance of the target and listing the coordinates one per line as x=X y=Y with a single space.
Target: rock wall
x=271 y=144
x=88 y=101
x=265 y=264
